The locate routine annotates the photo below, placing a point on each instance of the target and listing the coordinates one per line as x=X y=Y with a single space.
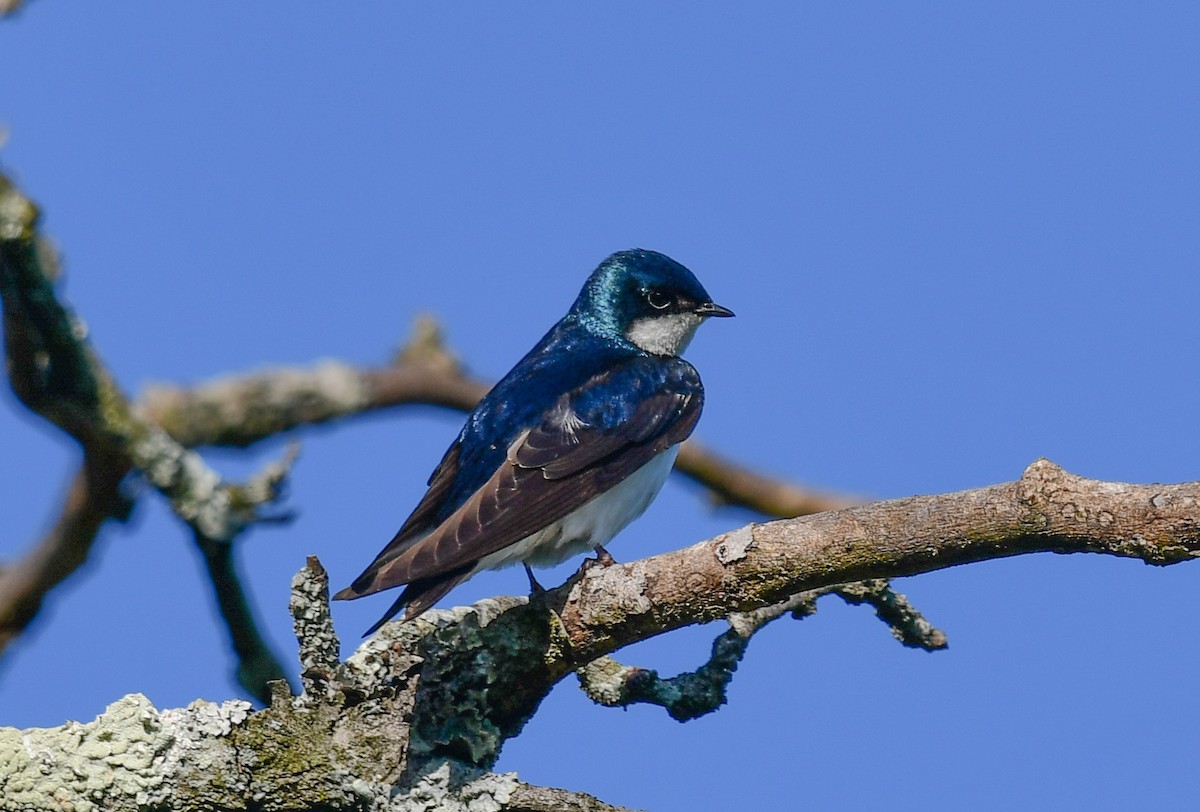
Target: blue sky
x=957 y=236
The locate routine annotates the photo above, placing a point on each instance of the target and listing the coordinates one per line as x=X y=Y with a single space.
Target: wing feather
x=415 y=527
x=549 y=471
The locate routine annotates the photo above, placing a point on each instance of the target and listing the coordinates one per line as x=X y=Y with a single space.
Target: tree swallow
x=568 y=448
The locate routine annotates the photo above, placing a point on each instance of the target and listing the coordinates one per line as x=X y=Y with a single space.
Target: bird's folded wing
x=556 y=467
x=424 y=514
x=419 y=523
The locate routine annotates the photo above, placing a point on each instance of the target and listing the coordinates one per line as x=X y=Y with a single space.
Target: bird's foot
x=603 y=559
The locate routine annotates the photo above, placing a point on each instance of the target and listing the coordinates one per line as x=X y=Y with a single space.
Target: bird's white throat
x=668 y=334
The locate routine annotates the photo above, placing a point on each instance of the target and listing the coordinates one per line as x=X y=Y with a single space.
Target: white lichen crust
x=445 y=786
x=127 y=758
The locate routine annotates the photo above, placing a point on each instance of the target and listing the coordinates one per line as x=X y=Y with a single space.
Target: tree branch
x=417 y=715
x=907 y=624
x=1047 y=510
x=693 y=694
x=256 y=663
x=529 y=798
x=93 y=497
x=10 y=7
x=56 y=374
x=529 y=647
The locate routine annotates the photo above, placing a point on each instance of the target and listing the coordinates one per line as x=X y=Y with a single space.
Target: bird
x=568 y=448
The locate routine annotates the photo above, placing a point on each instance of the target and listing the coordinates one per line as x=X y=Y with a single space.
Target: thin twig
x=907 y=624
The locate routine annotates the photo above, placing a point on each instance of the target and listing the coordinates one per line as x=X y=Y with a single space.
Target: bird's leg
x=603 y=556
x=535 y=589
x=558 y=632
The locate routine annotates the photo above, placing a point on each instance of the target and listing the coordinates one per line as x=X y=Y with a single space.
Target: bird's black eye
x=658 y=300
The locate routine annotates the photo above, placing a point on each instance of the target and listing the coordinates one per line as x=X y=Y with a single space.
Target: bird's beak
x=712 y=309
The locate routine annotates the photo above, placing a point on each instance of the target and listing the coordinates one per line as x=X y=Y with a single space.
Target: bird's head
x=646 y=298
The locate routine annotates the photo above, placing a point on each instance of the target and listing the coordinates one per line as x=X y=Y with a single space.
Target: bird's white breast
x=594 y=523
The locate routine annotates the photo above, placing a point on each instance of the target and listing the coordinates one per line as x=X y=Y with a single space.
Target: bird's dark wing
x=420 y=521
x=424 y=515
x=595 y=437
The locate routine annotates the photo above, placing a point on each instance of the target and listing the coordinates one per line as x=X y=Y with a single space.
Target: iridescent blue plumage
x=563 y=360
x=569 y=446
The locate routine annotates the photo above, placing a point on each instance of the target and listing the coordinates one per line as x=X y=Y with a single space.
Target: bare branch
x=529 y=798
x=8 y=7
x=907 y=624
x=420 y=712
x=696 y=693
x=320 y=649
x=729 y=483
x=56 y=373
x=257 y=666
x=501 y=657
x=1047 y=510
x=94 y=497
x=244 y=409
x=49 y=364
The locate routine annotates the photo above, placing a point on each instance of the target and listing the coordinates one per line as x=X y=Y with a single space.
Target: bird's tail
x=417 y=596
